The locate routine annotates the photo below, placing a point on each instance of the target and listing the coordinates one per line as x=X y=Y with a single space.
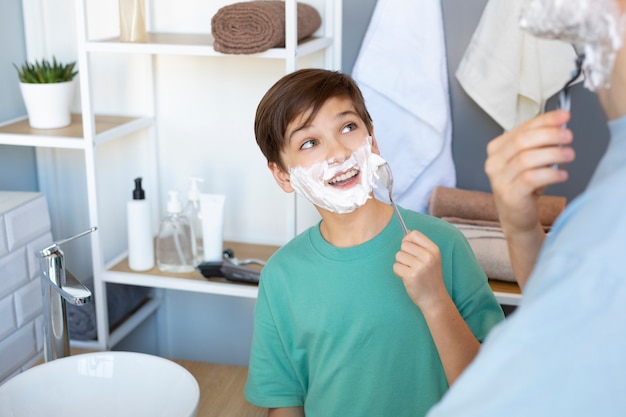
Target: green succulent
x=44 y=72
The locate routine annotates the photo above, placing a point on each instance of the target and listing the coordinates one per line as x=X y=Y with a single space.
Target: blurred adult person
x=562 y=353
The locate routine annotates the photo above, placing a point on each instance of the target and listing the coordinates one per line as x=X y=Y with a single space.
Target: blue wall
x=18 y=170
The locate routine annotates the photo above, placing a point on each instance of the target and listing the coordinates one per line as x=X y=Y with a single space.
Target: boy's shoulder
x=424 y=222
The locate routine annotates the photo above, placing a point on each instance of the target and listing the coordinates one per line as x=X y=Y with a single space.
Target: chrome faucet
x=66 y=287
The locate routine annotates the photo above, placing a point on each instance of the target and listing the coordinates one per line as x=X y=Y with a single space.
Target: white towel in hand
x=402 y=71
x=509 y=73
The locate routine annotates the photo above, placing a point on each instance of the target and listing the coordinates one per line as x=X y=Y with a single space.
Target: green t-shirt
x=336 y=332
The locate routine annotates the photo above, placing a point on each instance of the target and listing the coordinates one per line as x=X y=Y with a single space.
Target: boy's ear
x=281 y=177
x=374 y=143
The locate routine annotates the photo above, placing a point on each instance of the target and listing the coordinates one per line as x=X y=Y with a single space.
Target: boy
x=336 y=332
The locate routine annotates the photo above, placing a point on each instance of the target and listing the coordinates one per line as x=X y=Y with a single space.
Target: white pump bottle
x=139 y=225
x=193 y=213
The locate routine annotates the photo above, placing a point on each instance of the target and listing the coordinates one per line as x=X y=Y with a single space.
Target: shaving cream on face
x=593 y=27
x=312 y=182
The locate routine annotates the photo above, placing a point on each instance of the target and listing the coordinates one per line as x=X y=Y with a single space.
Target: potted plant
x=47 y=89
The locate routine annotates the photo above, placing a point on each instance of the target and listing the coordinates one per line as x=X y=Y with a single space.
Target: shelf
x=130 y=323
x=120 y=273
x=195 y=44
x=507 y=293
x=19 y=132
x=85 y=135
x=126 y=327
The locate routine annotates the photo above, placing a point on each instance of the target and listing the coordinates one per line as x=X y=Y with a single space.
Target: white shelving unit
x=89 y=131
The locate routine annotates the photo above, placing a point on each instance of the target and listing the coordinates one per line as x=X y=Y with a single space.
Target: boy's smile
x=344 y=179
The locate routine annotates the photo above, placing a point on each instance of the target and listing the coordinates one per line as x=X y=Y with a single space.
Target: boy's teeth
x=343 y=177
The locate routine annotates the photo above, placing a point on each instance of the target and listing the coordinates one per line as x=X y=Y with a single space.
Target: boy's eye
x=348 y=128
x=308 y=144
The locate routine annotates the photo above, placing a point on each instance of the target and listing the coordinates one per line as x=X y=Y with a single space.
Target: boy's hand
x=418 y=265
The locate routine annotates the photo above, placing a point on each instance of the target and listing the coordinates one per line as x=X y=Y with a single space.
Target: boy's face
x=329 y=160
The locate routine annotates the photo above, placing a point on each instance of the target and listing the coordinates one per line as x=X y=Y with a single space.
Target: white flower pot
x=48 y=105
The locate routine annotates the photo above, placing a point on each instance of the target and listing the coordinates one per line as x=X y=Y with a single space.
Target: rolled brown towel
x=477 y=207
x=256 y=26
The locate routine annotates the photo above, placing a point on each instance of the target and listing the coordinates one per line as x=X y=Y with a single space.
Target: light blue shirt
x=563 y=352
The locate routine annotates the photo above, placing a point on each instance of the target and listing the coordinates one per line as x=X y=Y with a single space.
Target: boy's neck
x=352 y=229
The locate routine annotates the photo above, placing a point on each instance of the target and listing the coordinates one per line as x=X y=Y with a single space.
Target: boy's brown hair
x=293 y=95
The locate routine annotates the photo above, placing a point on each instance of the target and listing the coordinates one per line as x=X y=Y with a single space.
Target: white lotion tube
x=212 y=209
x=140 y=238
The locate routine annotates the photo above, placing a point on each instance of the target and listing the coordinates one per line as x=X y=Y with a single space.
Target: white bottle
x=174 y=241
x=140 y=238
x=193 y=213
x=212 y=208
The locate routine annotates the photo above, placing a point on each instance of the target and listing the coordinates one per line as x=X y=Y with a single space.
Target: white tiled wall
x=24 y=229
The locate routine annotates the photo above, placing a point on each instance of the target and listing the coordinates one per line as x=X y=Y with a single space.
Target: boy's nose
x=337 y=152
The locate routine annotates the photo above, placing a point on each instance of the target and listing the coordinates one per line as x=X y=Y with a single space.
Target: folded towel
x=489 y=246
x=474 y=222
x=81 y=321
x=477 y=207
x=121 y=301
x=256 y=26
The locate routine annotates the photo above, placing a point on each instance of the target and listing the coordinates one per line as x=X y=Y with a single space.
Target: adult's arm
x=520 y=164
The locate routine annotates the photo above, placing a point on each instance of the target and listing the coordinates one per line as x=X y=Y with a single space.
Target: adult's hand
x=520 y=164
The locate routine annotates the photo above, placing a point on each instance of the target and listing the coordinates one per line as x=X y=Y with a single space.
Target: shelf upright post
x=333 y=12
x=291 y=36
x=291 y=63
x=89 y=136
x=153 y=151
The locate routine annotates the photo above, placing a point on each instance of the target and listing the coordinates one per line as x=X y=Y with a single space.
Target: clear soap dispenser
x=174 y=253
x=193 y=212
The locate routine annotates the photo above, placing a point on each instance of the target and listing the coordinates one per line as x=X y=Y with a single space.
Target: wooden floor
x=221 y=390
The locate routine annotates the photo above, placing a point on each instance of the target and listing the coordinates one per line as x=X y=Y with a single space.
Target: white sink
x=102 y=384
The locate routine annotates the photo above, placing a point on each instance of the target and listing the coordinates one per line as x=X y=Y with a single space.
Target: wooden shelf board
x=193 y=44
x=20 y=133
x=505 y=287
x=508 y=293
